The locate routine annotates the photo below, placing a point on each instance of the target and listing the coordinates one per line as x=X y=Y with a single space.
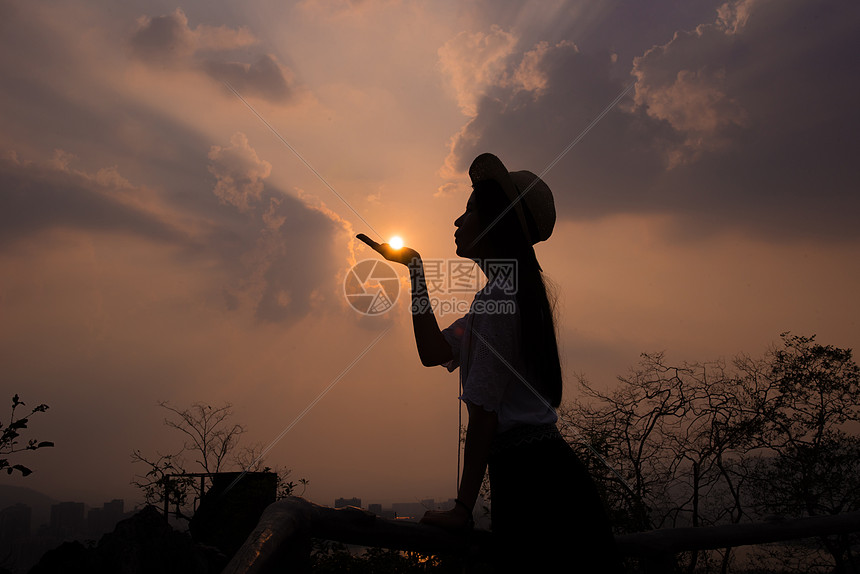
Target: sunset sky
x=159 y=242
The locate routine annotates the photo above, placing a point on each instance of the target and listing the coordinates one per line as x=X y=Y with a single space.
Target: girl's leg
x=547 y=512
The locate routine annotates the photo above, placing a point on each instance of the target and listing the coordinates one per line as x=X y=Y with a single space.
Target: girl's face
x=468 y=228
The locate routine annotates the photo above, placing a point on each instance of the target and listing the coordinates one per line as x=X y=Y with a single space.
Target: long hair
x=507 y=240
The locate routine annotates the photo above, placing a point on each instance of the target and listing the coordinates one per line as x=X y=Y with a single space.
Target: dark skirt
x=546 y=512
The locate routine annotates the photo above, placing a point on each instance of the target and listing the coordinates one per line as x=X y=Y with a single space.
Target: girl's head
x=506 y=214
x=486 y=230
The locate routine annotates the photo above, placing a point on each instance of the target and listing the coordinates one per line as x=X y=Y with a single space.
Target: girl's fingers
x=370 y=242
x=382 y=248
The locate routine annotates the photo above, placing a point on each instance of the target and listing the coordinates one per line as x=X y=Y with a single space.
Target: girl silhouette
x=545 y=509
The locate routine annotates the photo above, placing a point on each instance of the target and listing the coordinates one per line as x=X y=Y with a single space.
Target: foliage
x=11 y=432
x=250 y=458
x=288 y=487
x=330 y=557
x=810 y=463
x=163 y=479
x=702 y=444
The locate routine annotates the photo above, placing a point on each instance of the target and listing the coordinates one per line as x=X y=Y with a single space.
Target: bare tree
x=210 y=436
x=703 y=444
x=664 y=433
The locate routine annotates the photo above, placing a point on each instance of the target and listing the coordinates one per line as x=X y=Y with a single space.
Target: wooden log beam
x=286 y=526
x=280 y=542
x=674 y=540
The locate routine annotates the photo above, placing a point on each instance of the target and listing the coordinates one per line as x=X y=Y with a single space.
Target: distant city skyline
x=23 y=540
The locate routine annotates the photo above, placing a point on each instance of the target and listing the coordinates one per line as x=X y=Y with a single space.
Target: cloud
x=693 y=103
x=239 y=172
x=169 y=39
x=292 y=264
x=132 y=171
x=223 y=38
x=770 y=152
x=39 y=197
x=265 y=78
x=169 y=42
x=745 y=123
x=284 y=264
x=271 y=253
x=286 y=260
x=528 y=128
x=347 y=9
x=164 y=40
x=473 y=61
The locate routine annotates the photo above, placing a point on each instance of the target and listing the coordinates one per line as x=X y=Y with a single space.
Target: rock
x=141 y=544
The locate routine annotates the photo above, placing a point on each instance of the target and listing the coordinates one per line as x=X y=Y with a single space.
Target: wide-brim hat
x=527 y=195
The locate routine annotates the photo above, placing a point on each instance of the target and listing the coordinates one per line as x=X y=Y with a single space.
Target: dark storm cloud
x=264 y=78
x=527 y=131
x=293 y=271
x=168 y=41
x=748 y=122
x=165 y=40
x=276 y=254
x=38 y=198
x=285 y=254
x=624 y=27
x=766 y=101
x=285 y=258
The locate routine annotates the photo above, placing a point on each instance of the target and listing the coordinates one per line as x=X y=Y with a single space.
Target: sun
x=396 y=242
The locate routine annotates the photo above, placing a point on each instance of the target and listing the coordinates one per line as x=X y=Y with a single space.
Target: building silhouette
x=15 y=523
x=67 y=520
x=102 y=520
x=414 y=511
x=22 y=543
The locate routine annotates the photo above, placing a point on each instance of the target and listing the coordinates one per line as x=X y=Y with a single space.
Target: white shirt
x=482 y=342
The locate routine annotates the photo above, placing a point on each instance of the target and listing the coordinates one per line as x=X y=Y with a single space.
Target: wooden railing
x=281 y=540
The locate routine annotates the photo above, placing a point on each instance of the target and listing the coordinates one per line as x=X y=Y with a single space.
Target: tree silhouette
x=702 y=444
x=11 y=433
x=810 y=461
x=209 y=438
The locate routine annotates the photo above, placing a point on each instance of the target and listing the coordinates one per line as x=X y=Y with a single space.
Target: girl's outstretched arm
x=433 y=349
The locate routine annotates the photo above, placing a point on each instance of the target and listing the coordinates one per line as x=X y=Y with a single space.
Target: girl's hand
x=404 y=255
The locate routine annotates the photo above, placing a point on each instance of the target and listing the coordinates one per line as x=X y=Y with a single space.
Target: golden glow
x=396 y=242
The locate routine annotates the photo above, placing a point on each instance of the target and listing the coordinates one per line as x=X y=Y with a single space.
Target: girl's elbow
x=430 y=361
x=434 y=359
